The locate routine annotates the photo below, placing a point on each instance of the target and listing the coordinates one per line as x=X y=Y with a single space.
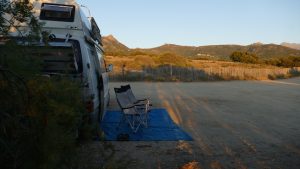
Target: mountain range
x=265 y=51
x=291 y=45
x=111 y=44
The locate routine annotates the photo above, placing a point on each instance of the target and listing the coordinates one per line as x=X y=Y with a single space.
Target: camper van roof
x=66 y=2
x=63 y=16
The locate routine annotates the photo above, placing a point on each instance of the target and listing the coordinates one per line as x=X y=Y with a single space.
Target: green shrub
x=172 y=59
x=244 y=57
x=39 y=116
x=290 y=61
x=137 y=52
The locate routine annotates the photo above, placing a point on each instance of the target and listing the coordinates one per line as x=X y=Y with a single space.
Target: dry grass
x=206 y=69
x=241 y=73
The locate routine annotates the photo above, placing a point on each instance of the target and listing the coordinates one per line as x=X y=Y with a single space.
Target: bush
x=290 y=61
x=137 y=53
x=244 y=57
x=172 y=59
x=39 y=116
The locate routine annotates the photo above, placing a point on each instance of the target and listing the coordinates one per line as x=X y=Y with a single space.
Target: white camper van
x=76 y=48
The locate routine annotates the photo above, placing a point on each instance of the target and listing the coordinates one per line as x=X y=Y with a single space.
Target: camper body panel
x=70 y=24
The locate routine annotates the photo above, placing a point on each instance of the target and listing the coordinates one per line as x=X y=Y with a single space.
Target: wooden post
x=123 y=71
x=171 y=71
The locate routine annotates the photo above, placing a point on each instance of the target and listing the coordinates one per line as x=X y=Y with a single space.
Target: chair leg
x=135 y=123
x=139 y=120
x=144 y=119
x=132 y=122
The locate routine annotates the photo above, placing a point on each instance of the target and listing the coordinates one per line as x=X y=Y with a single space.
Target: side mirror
x=110 y=68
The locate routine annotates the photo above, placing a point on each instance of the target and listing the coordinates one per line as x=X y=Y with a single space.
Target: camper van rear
x=59 y=58
x=73 y=48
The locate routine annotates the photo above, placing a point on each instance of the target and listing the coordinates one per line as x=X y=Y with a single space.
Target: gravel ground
x=237 y=124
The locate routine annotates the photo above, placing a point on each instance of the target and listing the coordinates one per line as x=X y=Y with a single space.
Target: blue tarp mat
x=160 y=128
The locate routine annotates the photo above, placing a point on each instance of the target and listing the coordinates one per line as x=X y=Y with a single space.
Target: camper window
x=57 y=12
x=101 y=61
x=59 y=59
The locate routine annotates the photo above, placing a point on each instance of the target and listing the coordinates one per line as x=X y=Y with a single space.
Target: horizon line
x=219 y=44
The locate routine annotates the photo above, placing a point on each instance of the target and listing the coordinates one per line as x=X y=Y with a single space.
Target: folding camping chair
x=134 y=100
x=135 y=114
x=132 y=97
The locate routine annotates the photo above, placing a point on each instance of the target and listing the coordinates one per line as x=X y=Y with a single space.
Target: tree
x=39 y=116
x=244 y=57
x=172 y=59
x=289 y=61
x=14 y=14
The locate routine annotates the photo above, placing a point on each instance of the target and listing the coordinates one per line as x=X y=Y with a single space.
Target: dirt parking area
x=237 y=124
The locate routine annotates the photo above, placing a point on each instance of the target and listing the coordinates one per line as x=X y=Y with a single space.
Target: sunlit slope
x=264 y=51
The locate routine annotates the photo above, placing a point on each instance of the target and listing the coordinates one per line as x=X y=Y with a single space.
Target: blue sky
x=150 y=23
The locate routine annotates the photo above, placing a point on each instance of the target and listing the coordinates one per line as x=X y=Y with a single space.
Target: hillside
x=223 y=51
x=112 y=45
x=264 y=51
x=291 y=45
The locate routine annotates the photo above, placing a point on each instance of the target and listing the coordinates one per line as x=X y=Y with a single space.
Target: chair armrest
x=142 y=100
x=132 y=106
